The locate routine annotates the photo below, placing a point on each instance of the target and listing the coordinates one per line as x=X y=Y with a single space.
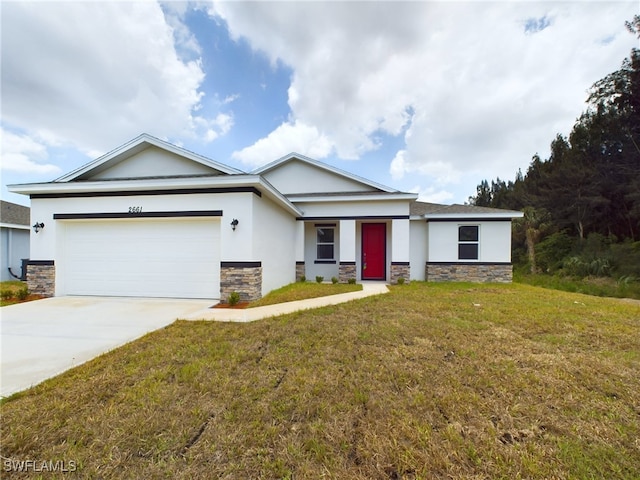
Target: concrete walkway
x=258 y=313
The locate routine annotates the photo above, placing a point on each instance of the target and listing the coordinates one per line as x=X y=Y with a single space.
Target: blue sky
x=428 y=97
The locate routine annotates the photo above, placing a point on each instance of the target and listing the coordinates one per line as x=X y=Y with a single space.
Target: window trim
x=475 y=242
x=330 y=226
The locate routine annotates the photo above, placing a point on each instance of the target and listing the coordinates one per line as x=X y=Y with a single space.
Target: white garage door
x=174 y=258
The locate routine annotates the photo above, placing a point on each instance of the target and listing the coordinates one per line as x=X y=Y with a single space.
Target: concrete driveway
x=43 y=338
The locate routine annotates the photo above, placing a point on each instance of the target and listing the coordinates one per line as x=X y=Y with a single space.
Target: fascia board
x=128 y=185
x=274 y=194
x=157 y=184
x=463 y=216
x=15 y=226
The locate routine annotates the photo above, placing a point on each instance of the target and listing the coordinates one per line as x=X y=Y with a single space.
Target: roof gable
x=297 y=174
x=147 y=157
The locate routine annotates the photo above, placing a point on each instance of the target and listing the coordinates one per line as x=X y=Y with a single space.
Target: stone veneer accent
x=346 y=270
x=242 y=277
x=400 y=270
x=41 y=277
x=469 y=272
x=300 y=271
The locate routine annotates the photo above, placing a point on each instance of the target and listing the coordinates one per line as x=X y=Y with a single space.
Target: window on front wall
x=468 y=242
x=325 y=242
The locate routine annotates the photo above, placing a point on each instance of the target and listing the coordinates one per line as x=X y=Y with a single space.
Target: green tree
x=532 y=226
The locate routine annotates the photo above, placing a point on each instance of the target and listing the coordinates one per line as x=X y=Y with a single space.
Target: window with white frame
x=468 y=242
x=325 y=242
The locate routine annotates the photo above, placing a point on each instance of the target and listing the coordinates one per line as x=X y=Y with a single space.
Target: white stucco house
x=14 y=238
x=152 y=219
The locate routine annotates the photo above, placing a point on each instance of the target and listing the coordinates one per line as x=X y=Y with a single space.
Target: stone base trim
x=300 y=271
x=469 y=272
x=346 y=271
x=400 y=270
x=41 y=277
x=242 y=277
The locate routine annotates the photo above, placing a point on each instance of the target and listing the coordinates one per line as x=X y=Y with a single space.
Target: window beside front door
x=468 y=242
x=325 y=243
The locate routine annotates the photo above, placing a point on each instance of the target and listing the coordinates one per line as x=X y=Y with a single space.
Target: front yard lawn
x=303 y=291
x=429 y=381
x=15 y=291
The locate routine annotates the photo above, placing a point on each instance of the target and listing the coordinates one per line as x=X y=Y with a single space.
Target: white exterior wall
x=49 y=243
x=494 y=241
x=378 y=208
x=274 y=243
x=419 y=247
x=233 y=205
x=347 y=241
x=400 y=238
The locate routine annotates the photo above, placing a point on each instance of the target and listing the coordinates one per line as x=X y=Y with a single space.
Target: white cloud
x=432 y=195
x=96 y=74
x=23 y=154
x=287 y=138
x=476 y=88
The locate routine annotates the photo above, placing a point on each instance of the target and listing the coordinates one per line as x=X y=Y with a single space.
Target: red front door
x=374 y=250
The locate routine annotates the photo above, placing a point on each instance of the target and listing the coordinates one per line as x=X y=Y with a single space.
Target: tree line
x=582 y=204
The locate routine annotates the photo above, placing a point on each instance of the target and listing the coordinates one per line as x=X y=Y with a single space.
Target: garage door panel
x=156 y=258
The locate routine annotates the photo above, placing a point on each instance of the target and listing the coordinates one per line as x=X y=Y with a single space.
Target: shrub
x=319 y=278
x=400 y=281
x=334 y=280
x=234 y=298
x=351 y=281
x=579 y=267
x=626 y=259
x=303 y=279
x=552 y=250
x=22 y=294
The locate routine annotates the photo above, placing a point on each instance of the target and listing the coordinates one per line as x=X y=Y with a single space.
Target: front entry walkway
x=258 y=313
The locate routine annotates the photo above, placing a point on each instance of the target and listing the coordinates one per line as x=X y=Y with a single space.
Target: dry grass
x=14 y=291
x=429 y=381
x=303 y=291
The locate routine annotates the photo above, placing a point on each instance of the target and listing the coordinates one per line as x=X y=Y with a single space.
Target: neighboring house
x=14 y=238
x=152 y=219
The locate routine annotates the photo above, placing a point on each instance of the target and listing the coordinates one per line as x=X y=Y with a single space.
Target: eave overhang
x=507 y=215
x=155 y=186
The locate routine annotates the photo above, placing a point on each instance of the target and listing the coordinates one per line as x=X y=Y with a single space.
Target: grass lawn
x=599 y=286
x=302 y=291
x=429 y=381
x=15 y=291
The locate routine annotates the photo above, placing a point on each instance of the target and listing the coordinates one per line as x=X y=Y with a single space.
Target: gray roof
x=423 y=208
x=14 y=214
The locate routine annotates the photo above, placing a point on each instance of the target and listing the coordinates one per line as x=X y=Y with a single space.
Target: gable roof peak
x=136 y=145
x=293 y=156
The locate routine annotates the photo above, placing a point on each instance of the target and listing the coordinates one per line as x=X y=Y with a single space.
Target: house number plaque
x=135 y=209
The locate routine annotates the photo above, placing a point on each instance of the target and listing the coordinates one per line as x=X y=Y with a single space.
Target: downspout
x=9 y=251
